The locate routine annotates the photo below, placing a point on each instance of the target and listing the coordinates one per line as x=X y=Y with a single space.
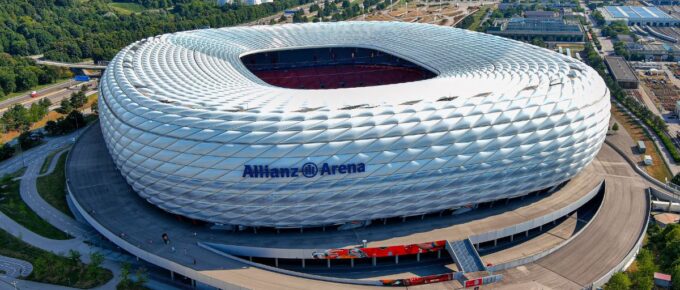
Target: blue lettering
x=308 y=170
x=325 y=169
x=248 y=171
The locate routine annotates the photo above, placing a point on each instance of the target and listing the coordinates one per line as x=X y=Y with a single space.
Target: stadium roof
x=202 y=70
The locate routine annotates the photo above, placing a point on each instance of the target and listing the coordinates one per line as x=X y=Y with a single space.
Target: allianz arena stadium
x=307 y=125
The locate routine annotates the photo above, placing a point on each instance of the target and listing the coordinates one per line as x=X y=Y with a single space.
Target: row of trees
x=19 y=74
x=19 y=118
x=74 y=118
x=67 y=30
x=654 y=122
x=72 y=271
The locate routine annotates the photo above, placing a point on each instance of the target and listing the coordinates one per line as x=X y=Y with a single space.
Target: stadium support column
x=303 y=263
x=328 y=263
x=276 y=262
x=374 y=261
x=396 y=259
x=351 y=263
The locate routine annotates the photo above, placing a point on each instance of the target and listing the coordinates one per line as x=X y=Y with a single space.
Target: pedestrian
x=165 y=237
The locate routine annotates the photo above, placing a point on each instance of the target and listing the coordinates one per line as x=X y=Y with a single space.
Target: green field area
x=126 y=8
x=15 y=208
x=52 y=187
x=477 y=18
x=53 y=269
x=48 y=161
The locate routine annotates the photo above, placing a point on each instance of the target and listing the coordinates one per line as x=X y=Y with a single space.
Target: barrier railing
x=535 y=257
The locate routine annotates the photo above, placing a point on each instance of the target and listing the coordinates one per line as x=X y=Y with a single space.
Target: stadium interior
x=332 y=68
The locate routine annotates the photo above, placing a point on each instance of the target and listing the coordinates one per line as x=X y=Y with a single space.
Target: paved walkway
x=30 y=195
x=34 y=159
x=15 y=268
x=36 y=154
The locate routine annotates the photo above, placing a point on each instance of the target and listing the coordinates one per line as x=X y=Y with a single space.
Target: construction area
x=447 y=14
x=660 y=89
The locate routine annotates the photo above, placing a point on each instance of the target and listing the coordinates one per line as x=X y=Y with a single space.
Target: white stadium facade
x=307 y=125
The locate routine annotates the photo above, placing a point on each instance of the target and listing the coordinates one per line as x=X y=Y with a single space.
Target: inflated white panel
x=182 y=117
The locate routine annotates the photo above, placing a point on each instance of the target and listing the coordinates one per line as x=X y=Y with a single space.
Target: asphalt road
x=54 y=93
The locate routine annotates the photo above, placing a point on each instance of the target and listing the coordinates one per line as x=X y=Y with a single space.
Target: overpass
x=38 y=59
x=71 y=65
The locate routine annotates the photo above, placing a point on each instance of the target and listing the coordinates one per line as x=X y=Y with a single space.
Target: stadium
x=358 y=155
x=310 y=125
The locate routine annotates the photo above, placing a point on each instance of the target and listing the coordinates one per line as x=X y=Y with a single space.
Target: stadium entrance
x=332 y=68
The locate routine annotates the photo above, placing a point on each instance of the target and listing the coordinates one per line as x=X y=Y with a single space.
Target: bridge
x=71 y=65
x=38 y=59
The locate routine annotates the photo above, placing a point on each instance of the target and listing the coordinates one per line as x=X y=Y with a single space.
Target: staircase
x=465 y=256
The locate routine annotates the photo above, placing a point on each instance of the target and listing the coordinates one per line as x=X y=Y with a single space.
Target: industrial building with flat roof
x=623 y=73
x=638 y=15
x=527 y=29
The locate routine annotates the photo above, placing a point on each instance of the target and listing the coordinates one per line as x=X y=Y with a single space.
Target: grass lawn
x=659 y=170
x=48 y=161
x=52 y=187
x=36 y=88
x=15 y=208
x=126 y=8
x=51 y=268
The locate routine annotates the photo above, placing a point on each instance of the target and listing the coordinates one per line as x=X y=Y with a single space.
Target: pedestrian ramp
x=465 y=255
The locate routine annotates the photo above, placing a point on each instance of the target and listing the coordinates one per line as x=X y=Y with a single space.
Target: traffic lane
x=55 y=96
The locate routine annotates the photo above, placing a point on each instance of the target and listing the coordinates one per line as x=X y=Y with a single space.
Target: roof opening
x=332 y=68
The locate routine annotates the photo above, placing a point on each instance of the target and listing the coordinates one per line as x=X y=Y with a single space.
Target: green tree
x=65 y=106
x=618 y=281
x=6 y=151
x=16 y=119
x=675 y=278
x=77 y=100
x=538 y=42
x=643 y=278
x=95 y=107
x=7 y=80
x=615 y=127
x=25 y=79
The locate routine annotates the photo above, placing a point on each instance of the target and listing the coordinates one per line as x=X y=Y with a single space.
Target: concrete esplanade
x=545 y=233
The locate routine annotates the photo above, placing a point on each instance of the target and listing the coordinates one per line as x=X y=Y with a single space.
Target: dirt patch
x=658 y=170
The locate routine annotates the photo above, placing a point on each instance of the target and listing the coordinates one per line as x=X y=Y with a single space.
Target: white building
x=197 y=133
